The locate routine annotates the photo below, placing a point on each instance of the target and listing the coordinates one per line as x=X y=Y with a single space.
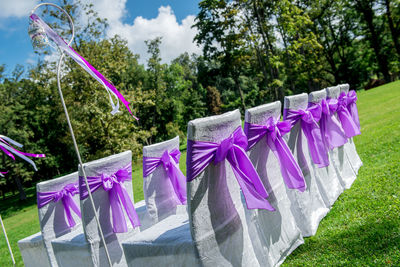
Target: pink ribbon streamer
x=10 y=151
x=84 y=64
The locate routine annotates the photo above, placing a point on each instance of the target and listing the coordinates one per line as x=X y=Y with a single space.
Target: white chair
x=157 y=188
x=329 y=182
x=277 y=230
x=350 y=148
x=52 y=218
x=340 y=155
x=87 y=249
x=33 y=251
x=308 y=207
x=216 y=233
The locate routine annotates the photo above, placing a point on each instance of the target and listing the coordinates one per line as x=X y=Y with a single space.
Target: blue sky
x=134 y=20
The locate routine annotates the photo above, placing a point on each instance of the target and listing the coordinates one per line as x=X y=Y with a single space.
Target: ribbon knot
x=274 y=130
x=170 y=162
x=201 y=154
x=65 y=195
x=350 y=126
x=331 y=130
x=352 y=107
x=310 y=127
x=117 y=194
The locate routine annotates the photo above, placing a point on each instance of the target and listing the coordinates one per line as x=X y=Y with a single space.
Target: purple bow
x=9 y=150
x=349 y=126
x=352 y=107
x=309 y=124
x=274 y=130
x=117 y=195
x=65 y=195
x=170 y=162
x=201 y=154
x=331 y=129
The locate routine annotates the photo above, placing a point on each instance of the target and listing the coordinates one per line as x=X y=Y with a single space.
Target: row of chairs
x=215 y=228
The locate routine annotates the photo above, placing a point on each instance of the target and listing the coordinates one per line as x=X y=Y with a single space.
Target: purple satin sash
x=274 y=130
x=9 y=150
x=170 y=162
x=84 y=64
x=309 y=119
x=349 y=126
x=65 y=195
x=352 y=107
x=331 y=129
x=201 y=154
x=117 y=195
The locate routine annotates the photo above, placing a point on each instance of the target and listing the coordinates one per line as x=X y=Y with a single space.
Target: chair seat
x=74 y=249
x=33 y=250
x=167 y=243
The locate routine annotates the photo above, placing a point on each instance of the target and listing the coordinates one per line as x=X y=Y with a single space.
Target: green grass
x=363 y=227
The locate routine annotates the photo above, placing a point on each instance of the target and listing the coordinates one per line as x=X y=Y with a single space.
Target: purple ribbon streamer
x=309 y=119
x=331 y=129
x=170 y=162
x=274 y=130
x=201 y=154
x=352 y=107
x=65 y=195
x=349 y=126
x=83 y=63
x=117 y=194
x=9 y=150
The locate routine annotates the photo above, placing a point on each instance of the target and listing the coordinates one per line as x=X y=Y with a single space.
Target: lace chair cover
x=86 y=249
x=216 y=233
x=158 y=191
x=308 y=207
x=329 y=182
x=350 y=148
x=37 y=250
x=340 y=155
x=277 y=230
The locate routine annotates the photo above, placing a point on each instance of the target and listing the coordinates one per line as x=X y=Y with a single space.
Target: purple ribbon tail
x=69 y=204
x=178 y=181
x=291 y=172
x=332 y=131
x=252 y=188
x=118 y=218
x=354 y=114
x=349 y=126
x=316 y=146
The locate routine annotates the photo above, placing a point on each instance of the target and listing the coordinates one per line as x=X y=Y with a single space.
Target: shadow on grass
x=13 y=204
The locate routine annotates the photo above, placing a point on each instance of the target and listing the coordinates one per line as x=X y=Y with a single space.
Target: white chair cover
x=52 y=223
x=340 y=155
x=329 y=182
x=217 y=234
x=350 y=148
x=157 y=188
x=277 y=230
x=308 y=207
x=87 y=249
x=33 y=251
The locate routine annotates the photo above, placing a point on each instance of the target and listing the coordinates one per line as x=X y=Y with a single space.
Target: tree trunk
x=366 y=9
x=21 y=190
x=395 y=35
x=239 y=88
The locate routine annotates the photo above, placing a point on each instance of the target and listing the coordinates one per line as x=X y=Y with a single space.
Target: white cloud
x=16 y=8
x=177 y=38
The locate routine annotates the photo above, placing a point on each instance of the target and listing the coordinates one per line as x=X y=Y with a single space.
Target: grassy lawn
x=363 y=227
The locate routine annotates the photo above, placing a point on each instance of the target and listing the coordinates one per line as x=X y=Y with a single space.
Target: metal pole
x=72 y=131
x=8 y=243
